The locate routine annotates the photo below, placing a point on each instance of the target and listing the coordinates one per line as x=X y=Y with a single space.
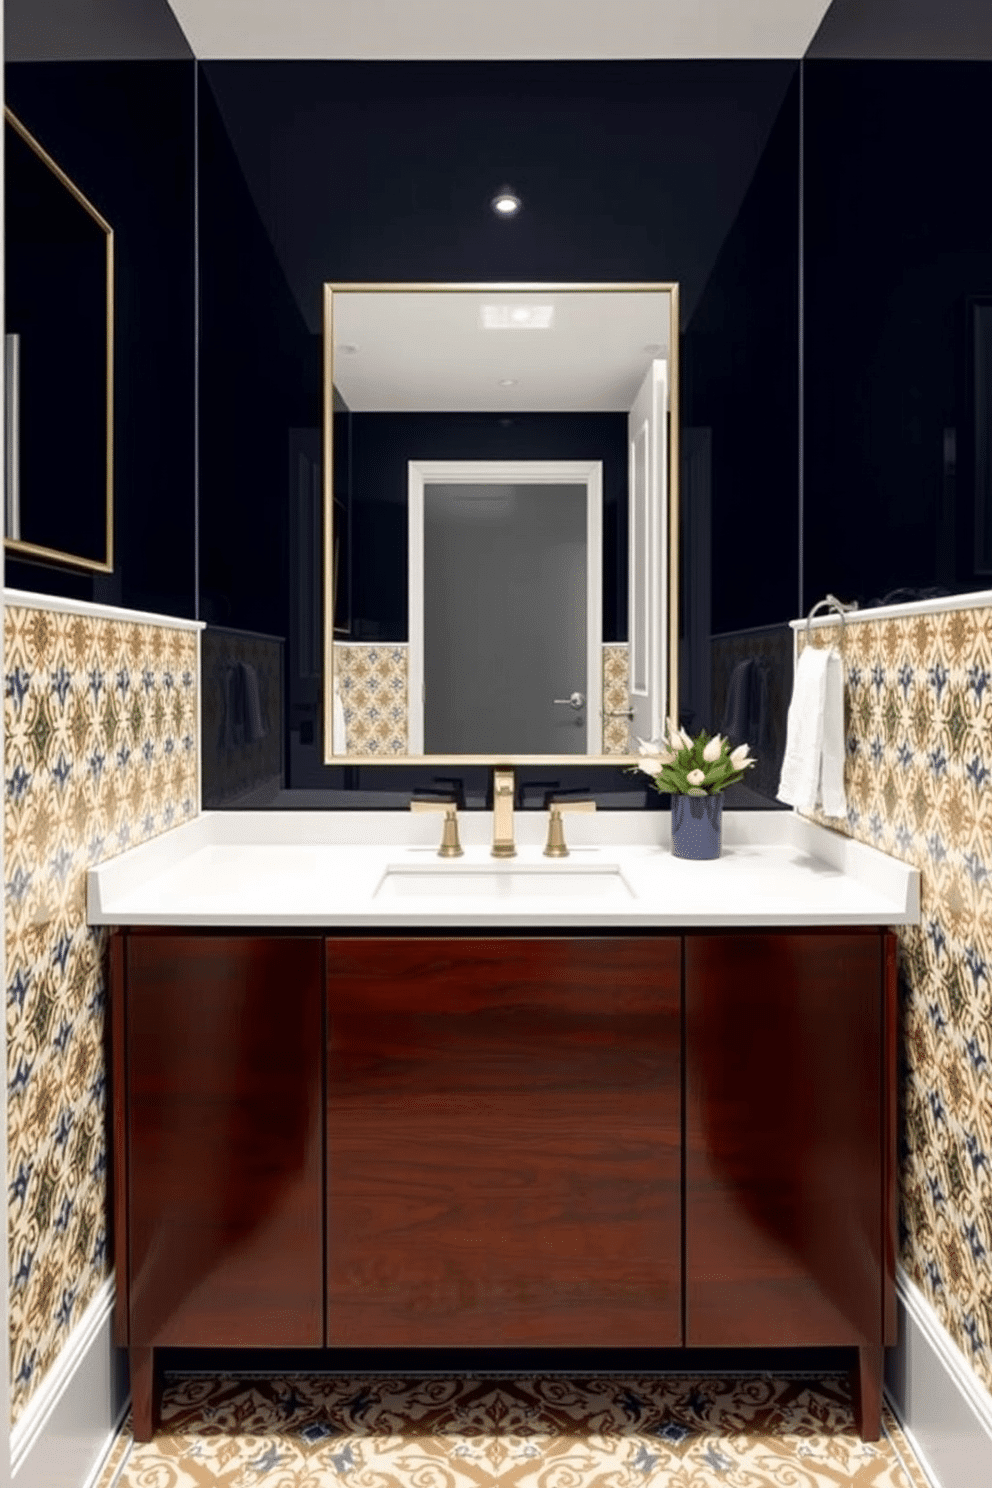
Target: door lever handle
x=577 y=700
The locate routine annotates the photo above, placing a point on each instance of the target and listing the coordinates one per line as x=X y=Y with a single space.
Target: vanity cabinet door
x=784 y=1139
x=225 y=1162
x=503 y=1142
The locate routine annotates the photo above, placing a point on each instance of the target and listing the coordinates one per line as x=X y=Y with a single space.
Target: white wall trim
x=977 y=600
x=942 y=1406
x=67 y=1428
x=101 y=611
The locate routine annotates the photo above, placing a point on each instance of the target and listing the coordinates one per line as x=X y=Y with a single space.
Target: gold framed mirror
x=59 y=364
x=484 y=445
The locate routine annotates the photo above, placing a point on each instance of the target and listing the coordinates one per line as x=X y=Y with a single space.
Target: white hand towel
x=813 y=767
x=804 y=732
x=339 y=728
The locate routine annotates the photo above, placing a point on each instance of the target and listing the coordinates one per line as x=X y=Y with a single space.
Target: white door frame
x=650 y=563
x=588 y=473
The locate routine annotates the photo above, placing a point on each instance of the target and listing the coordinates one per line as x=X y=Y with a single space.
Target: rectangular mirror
x=59 y=363
x=500 y=521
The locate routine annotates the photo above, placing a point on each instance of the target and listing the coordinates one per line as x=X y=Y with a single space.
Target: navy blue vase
x=696 y=822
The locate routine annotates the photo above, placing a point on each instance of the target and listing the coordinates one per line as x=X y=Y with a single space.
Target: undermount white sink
x=503 y=881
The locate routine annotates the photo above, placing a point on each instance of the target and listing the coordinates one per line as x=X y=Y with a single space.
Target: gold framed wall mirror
x=59 y=363
x=501 y=516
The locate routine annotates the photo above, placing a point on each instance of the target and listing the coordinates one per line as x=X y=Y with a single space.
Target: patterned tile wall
x=100 y=753
x=918 y=777
x=372 y=681
x=616 y=699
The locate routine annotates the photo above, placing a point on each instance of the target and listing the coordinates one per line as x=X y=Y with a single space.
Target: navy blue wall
x=898 y=238
x=260 y=376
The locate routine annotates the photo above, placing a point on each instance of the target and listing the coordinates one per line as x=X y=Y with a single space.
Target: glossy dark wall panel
x=123 y=131
x=740 y=390
x=259 y=379
x=898 y=237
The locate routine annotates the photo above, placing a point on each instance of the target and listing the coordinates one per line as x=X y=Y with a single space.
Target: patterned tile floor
x=307 y=1431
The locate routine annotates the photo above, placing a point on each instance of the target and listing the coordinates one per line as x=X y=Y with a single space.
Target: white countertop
x=351 y=869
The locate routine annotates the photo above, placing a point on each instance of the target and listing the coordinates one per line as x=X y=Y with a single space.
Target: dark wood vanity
x=653 y=1139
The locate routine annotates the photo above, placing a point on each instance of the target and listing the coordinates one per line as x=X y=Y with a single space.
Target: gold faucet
x=450 y=846
x=503 y=792
x=556 y=846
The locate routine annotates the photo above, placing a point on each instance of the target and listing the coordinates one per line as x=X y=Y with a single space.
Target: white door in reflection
x=509 y=620
x=648 y=568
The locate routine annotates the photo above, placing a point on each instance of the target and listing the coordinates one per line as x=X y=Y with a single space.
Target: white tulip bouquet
x=684 y=766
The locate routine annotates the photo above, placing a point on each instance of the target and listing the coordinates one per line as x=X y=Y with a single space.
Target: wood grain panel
x=226 y=1154
x=504 y=1142
x=784 y=1198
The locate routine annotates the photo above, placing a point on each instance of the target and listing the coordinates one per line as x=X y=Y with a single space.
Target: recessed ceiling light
x=506 y=203
x=508 y=382
x=516 y=317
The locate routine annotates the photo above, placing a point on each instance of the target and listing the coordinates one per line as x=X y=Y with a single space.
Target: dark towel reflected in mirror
x=242 y=721
x=242 y=708
x=752 y=683
x=746 y=711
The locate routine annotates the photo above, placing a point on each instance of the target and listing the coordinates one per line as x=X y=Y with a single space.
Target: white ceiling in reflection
x=429 y=352
x=464 y=30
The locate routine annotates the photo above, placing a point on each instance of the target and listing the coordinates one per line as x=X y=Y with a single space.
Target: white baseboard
x=66 y=1430
x=944 y=1410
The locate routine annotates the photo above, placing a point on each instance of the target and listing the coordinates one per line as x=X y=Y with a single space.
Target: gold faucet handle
x=555 y=846
x=450 y=845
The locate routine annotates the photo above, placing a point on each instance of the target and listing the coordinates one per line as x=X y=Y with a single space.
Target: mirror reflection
x=58 y=363
x=500 y=512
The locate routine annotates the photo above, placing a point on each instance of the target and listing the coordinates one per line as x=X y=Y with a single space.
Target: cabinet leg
x=866 y=1391
x=146 y=1393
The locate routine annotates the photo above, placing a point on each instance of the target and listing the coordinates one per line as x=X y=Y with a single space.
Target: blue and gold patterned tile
x=372 y=680
x=616 y=699
x=919 y=700
x=83 y=777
